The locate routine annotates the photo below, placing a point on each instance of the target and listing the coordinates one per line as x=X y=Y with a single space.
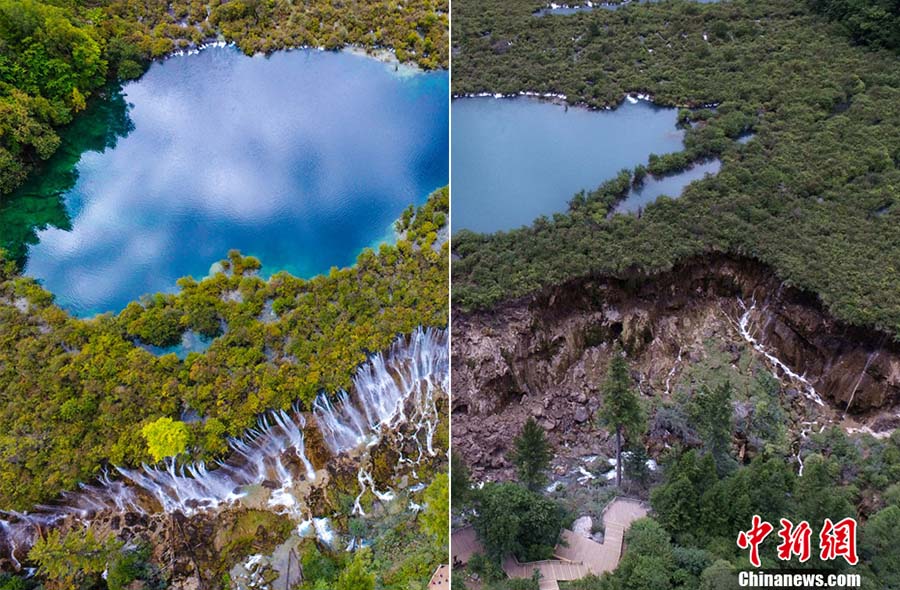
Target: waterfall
x=366 y=481
x=744 y=327
x=409 y=375
x=389 y=390
x=672 y=371
x=869 y=358
x=294 y=432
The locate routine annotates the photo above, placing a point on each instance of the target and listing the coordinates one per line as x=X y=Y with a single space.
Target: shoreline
x=385 y=55
x=632 y=97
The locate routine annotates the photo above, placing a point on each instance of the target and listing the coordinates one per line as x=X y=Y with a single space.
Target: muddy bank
x=546 y=355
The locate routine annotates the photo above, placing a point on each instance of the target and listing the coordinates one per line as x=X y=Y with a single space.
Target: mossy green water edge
x=89 y=387
x=813 y=194
x=39 y=203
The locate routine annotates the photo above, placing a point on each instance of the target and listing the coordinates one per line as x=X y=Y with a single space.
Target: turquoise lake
x=302 y=158
x=516 y=159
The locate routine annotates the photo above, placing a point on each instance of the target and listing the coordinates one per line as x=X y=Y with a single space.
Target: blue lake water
x=190 y=342
x=302 y=159
x=517 y=159
x=652 y=188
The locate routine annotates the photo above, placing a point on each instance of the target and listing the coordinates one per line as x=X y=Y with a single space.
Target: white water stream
x=399 y=387
x=745 y=327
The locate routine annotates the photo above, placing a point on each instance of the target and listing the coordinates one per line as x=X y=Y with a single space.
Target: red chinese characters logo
x=751 y=539
x=794 y=540
x=835 y=540
x=839 y=540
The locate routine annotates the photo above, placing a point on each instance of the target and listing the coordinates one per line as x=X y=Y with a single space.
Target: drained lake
x=302 y=158
x=516 y=159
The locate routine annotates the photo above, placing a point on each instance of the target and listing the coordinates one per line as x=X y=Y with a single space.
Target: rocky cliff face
x=545 y=356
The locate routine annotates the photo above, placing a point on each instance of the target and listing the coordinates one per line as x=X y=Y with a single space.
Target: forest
x=869 y=22
x=813 y=194
x=85 y=388
x=54 y=55
x=706 y=493
x=725 y=454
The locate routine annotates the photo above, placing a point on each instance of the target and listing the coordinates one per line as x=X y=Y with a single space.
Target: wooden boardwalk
x=552 y=570
x=578 y=556
x=463 y=545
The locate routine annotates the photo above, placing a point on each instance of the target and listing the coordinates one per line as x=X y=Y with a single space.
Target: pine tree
x=711 y=412
x=636 y=466
x=621 y=408
x=531 y=455
x=460 y=485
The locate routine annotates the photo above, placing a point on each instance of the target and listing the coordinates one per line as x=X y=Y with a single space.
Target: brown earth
x=546 y=355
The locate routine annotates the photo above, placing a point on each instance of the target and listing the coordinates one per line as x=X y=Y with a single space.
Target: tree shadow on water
x=40 y=203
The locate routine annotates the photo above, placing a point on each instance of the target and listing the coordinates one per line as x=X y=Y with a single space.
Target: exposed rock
x=583 y=526
x=581 y=415
x=546 y=355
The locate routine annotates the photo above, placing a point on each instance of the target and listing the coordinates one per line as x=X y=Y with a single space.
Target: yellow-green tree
x=74 y=560
x=165 y=437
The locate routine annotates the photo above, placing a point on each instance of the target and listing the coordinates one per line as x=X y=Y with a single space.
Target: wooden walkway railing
x=576 y=556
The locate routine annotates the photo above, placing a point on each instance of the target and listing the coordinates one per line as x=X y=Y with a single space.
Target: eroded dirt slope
x=546 y=355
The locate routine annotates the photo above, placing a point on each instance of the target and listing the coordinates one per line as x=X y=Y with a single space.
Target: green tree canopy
x=812 y=503
x=513 y=519
x=648 y=562
x=878 y=543
x=436 y=516
x=531 y=455
x=872 y=22
x=356 y=576
x=719 y=576
x=460 y=484
x=73 y=560
x=620 y=410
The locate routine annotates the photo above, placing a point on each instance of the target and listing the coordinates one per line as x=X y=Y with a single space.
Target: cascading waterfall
x=808 y=390
x=399 y=387
x=744 y=327
x=384 y=387
x=805 y=429
x=366 y=482
x=869 y=358
x=672 y=371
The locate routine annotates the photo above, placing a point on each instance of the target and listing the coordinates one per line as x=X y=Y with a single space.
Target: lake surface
x=302 y=159
x=517 y=159
x=672 y=185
